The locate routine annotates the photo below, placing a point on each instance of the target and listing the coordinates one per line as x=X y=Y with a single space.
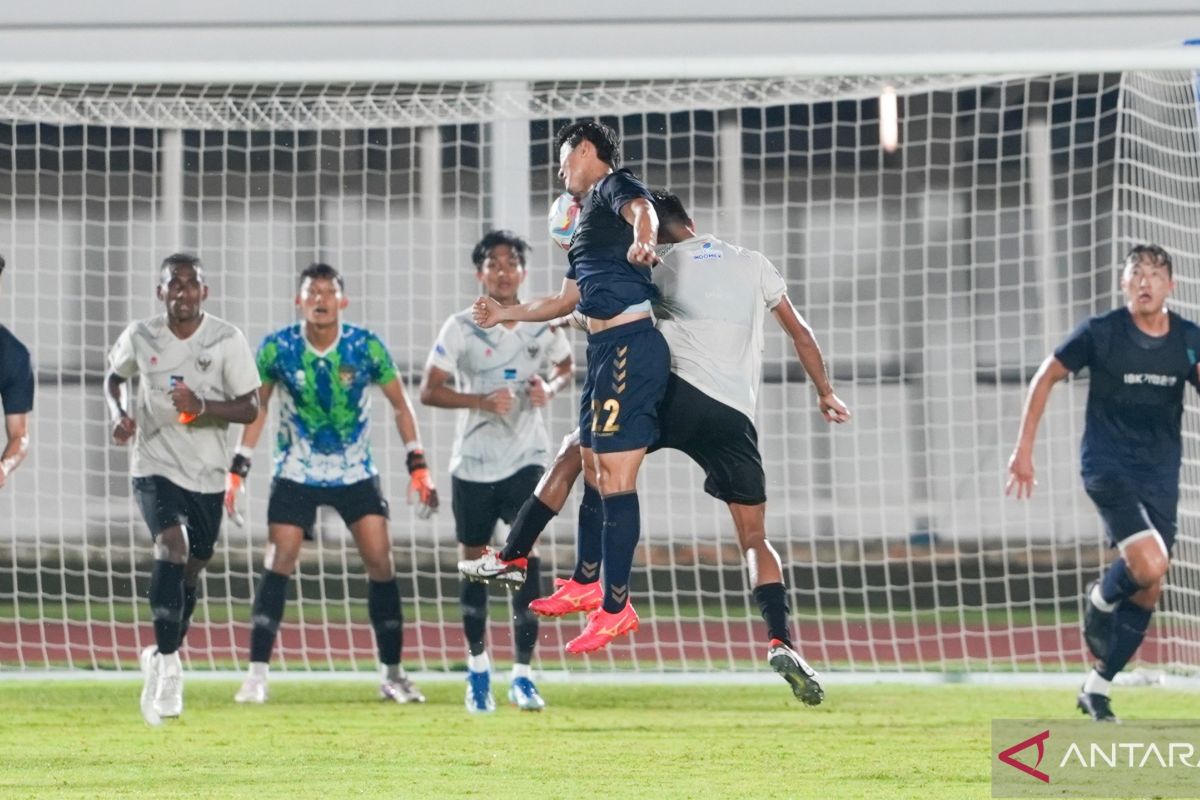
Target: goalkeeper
x=714 y=299
x=323 y=458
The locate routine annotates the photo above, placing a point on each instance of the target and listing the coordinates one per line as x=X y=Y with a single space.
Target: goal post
x=936 y=278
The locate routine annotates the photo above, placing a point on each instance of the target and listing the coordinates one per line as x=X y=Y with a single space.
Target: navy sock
x=589 y=538
x=473 y=600
x=189 y=607
x=525 y=622
x=1117 y=584
x=622 y=529
x=269 y=600
x=383 y=607
x=772 y=602
x=531 y=520
x=1130 y=622
x=166 y=603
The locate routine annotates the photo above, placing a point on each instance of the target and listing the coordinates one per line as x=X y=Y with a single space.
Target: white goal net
x=936 y=278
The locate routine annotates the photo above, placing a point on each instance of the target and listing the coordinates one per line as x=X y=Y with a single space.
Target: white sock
x=171 y=663
x=1094 y=684
x=258 y=669
x=1099 y=602
x=479 y=663
x=521 y=671
x=391 y=672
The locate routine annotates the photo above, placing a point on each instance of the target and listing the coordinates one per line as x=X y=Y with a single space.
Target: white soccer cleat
x=169 y=700
x=254 y=690
x=400 y=689
x=150 y=662
x=491 y=567
x=796 y=671
x=524 y=695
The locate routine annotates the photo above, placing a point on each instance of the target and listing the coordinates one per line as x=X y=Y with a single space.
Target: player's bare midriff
x=597 y=325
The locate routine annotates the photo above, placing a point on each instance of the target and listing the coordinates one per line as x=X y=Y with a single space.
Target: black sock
x=1130 y=622
x=622 y=529
x=473 y=600
x=525 y=622
x=772 y=602
x=1117 y=584
x=166 y=603
x=387 y=618
x=589 y=537
x=531 y=520
x=189 y=606
x=269 y=600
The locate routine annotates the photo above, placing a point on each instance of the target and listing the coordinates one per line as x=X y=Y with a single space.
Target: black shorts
x=1131 y=505
x=626 y=376
x=296 y=504
x=165 y=505
x=720 y=439
x=477 y=506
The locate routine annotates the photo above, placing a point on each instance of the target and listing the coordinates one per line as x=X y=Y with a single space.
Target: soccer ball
x=564 y=213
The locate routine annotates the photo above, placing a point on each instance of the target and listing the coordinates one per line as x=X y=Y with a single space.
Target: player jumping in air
x=628 y=362
x=323 y=458
x=1140 y=357
x=196 y=375
x=496 y=378
x=715 y=296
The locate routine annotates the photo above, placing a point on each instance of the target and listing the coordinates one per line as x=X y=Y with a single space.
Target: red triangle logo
x=1006 y=756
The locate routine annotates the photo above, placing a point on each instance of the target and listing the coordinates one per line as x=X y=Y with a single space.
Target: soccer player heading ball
x=323 y=458
x=1140 y=357
x=196 y=375
x=609 y=280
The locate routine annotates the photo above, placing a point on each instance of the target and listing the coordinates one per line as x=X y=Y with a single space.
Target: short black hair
x=494 y=238
x=603 y=138
x=669 y=208
x=1152 y=253
x=181 y=260
x=320 y=271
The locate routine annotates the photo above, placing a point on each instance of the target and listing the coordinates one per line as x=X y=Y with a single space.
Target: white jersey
x=715 y=298
x=490 y=447
x=216 y=363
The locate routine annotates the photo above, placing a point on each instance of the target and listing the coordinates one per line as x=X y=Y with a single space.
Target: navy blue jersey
x=608 y=283
x=16 y=374
x=1135 y=398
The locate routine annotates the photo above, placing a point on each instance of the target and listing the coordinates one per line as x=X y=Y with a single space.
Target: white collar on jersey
x=327 y=350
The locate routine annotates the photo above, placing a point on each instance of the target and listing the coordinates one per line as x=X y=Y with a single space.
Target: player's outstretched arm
x=16 y=426
x=421 y=489
x=487 y=313
x=1020 y=464
x=809 y=353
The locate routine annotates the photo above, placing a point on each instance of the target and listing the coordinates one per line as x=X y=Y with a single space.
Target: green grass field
x=333 y=740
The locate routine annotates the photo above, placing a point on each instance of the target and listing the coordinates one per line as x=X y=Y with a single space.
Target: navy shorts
x=720 y=439
x=165 y=504
x=626 y=380
x=296 y=504
x=1128 y=506
x=477 y=506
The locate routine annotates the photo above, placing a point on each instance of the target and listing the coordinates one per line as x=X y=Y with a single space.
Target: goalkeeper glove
x=235 y=485
x=420 y=486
